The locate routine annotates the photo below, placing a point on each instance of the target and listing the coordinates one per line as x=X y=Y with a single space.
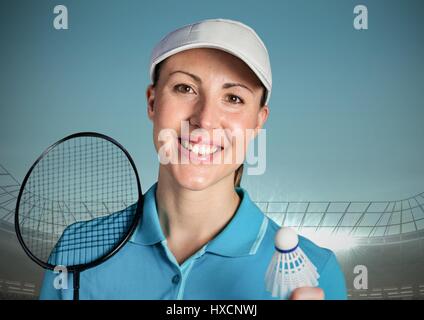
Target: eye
x=234 y=99
x=183 y=88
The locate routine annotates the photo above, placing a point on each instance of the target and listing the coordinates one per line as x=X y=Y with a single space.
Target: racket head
x=134 y=211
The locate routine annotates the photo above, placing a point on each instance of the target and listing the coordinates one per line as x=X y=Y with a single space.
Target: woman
x=201 y=237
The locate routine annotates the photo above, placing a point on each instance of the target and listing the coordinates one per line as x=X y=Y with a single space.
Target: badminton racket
x=78 y=204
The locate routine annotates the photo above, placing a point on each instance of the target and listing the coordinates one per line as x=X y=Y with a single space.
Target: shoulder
x=332 y=279
x=268 y=228
x=318 y=255
x=85 y=241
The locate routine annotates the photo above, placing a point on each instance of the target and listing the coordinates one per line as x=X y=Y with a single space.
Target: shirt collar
x=241 y=236
x=148 y=231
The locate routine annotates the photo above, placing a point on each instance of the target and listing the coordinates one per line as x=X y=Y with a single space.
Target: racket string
x=79 y=201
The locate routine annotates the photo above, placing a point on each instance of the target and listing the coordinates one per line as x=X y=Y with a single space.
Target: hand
x=307 y=293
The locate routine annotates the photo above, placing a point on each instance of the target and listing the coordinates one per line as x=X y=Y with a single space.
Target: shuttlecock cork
x=290 y=268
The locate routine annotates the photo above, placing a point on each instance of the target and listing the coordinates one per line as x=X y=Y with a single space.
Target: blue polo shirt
x=230 y=266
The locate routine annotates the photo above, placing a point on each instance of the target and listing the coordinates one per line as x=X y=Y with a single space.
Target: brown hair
x=239 y=172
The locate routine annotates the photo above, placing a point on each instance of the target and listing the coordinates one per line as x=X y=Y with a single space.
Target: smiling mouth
x=199 y=149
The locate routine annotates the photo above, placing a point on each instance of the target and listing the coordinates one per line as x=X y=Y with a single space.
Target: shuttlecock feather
x=290 y=268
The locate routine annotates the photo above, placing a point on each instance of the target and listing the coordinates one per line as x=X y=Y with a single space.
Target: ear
x=150 y=95
x=261 y=119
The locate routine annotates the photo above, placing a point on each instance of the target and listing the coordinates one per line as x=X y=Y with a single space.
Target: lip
x=197 y=158
x=200 y=140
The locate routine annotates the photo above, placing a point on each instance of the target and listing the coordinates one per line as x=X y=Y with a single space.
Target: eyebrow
x=189 y=74
x=229 y=85
x=225 y=85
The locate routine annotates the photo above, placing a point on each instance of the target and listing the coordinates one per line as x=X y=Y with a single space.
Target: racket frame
x=139 y=210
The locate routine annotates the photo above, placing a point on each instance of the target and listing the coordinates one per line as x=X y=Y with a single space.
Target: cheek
x=241 y=127
x=167 y=124
x=169 y=113
x=239 y=132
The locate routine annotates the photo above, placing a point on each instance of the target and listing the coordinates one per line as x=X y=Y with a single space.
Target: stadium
x=382 y=239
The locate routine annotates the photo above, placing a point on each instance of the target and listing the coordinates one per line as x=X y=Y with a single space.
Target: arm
x=48 y=291
x=332 y=284
x=332 y=280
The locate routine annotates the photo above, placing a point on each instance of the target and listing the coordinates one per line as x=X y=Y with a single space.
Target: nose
x=205 y=114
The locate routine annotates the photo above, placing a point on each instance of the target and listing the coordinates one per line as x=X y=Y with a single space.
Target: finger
x=307 y=293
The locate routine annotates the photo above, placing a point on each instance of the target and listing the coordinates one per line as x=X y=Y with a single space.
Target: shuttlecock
x=290 y=268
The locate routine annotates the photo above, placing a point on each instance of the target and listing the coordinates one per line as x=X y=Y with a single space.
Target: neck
x=189 y=219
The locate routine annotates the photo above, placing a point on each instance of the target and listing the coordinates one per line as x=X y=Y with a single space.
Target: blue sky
x=347 y=110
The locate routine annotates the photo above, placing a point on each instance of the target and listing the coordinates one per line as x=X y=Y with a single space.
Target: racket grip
x=76 y=279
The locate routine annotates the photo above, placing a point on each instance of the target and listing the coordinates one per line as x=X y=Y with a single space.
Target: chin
x=192 y=181
x=195 y=185
x=193 y=177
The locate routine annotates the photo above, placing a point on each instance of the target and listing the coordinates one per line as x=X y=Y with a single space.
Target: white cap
x=230 y=36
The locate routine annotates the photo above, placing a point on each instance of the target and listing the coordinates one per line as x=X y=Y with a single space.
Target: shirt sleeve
x=49 y=292
x=332 y=280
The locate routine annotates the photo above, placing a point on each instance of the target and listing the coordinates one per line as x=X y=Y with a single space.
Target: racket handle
x=76 y=278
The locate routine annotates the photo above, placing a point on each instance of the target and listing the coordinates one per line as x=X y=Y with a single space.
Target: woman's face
x=205 y=108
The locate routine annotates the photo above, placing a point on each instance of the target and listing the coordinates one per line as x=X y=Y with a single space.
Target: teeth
x=201 y=149
x=204 y=149
x=185 y=144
